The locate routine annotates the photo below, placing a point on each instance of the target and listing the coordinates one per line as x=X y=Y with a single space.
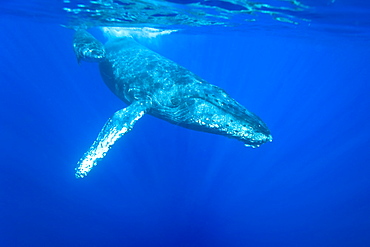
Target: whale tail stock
x=118 y=125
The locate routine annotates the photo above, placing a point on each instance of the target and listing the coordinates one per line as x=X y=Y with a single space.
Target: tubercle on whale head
x=263 y=139
x=256 y=133
x=252 y=133
x=237 y=122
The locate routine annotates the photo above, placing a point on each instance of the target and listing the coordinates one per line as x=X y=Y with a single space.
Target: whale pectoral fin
x=118 y=125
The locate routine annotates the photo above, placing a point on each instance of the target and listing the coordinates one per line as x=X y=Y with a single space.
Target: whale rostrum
x=150 y=83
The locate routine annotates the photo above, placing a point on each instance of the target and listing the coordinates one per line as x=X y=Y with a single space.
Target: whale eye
x=175 y=101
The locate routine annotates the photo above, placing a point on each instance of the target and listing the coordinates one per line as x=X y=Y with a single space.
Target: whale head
x=233 y=120
x=249 y=129
x=239 y=124
x=215 y=111
x=87 y=48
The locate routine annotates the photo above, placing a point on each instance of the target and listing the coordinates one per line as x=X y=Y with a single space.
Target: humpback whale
x=150 y=83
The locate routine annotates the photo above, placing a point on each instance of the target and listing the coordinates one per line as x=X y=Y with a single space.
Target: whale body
x=150 y=83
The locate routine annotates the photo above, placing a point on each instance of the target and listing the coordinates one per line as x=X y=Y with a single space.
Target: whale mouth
x=247 y=128
x=250 y=131
x=258 y=140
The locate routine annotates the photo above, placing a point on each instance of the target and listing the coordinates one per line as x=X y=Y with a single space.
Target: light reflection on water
x=227 y=13
x=282 y=17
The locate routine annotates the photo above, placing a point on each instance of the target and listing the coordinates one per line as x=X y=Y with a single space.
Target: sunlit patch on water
x=162 y=14
x=145 y=32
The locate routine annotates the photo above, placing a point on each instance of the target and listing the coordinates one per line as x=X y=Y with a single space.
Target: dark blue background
x=162 y=185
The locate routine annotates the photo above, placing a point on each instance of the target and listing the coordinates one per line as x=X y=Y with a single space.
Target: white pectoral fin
x=118 y=125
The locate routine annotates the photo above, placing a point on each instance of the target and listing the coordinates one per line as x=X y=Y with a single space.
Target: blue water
x=162 y=185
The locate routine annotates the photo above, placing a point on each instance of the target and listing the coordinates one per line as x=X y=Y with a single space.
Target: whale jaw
x=202 y=115
x=258 y=139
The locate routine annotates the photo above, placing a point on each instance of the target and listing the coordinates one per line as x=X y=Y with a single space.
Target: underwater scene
x=185 y=123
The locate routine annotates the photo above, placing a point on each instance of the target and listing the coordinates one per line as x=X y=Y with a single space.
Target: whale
x=152 y=84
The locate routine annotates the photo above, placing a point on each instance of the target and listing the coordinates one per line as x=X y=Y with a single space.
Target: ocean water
x=303 y=67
